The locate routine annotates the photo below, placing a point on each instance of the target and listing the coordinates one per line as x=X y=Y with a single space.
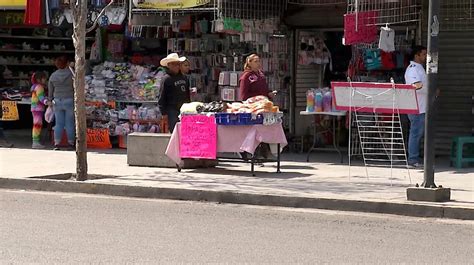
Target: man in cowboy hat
x=174 y=89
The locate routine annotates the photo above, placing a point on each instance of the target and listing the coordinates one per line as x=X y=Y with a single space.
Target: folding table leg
x=315 y=133
x=252 y=165
x=334 y=139
x=278 y=159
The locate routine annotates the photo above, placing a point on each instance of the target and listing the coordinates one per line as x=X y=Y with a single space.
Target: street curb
x=416 y=210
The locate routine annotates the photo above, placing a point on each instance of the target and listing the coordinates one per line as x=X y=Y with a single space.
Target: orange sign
x=111 y=104
x=98 y=138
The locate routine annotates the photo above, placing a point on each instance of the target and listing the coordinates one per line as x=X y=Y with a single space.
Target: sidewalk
x=315 y=180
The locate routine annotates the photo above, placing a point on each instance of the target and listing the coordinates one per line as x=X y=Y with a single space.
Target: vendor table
x=236 y=139
x=334 y=131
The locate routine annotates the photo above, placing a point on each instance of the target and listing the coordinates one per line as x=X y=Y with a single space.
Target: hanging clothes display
x=360 y=27
x=34 y=13
x=387 y=59
x=372 y=59
x=387 y=39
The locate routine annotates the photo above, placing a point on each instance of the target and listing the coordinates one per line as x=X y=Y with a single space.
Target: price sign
x=198 y=137
x=98 y=138
x=9 y=111
x=110 y=104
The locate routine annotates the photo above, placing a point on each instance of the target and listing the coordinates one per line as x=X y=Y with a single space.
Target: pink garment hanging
x=366 y=31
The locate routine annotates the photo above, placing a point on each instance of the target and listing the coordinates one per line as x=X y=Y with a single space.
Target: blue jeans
x=417 y=131
x=64 y=116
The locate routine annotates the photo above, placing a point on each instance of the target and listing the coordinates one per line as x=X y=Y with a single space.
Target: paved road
x=73 y=228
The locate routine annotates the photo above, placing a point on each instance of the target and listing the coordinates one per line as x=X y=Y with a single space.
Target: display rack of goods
x=123 y=82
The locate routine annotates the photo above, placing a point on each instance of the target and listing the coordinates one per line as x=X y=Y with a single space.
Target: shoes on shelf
x=47 y=60
x=40 y=32
x=12 y=59
x=59 y=47
x=7 y=73
x=26 y=46
x=9 y=46
x=44 y=47
x=26 y=59
x=22 y=75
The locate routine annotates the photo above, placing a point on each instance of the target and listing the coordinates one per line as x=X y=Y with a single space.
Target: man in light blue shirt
x=416 y=75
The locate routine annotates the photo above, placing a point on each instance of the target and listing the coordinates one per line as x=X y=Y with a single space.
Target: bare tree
x=79 y=9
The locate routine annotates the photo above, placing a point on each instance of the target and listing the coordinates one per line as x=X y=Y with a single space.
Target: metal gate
x=456 y=81
x=457 y=15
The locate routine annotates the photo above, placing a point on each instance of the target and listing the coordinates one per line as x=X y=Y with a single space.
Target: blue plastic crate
x=237 y=119
x=258 y=119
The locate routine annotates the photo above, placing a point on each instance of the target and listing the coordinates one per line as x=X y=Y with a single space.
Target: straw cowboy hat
x=172 y=57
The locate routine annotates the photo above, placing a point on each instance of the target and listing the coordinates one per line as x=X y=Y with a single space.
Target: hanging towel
x=360 y=27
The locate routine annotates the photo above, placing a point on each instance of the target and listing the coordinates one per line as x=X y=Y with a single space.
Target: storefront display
x=216 y=51
x=24 y=51
x=313 y=50
x=123 y=80
x=123 y=99
x=380 y=61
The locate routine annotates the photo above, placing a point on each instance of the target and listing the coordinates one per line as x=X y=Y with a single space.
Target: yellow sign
x=9 y=111
x=12 y=3
x=170 y=4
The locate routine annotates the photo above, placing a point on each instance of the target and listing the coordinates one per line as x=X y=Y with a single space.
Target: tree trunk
x=79 y=37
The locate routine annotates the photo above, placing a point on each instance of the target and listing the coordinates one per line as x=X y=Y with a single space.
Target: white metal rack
x=380 y=133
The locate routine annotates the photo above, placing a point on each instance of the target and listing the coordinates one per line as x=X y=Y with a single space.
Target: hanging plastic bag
x=49 y=114
x=318 y=101
x=327 y=101
x=310 y=100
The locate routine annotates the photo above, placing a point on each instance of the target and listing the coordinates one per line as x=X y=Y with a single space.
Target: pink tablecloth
x=233 y=139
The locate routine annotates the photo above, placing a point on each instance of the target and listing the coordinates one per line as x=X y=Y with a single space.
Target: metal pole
x=294 y=66
x=171 y=18
x=432 y=78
